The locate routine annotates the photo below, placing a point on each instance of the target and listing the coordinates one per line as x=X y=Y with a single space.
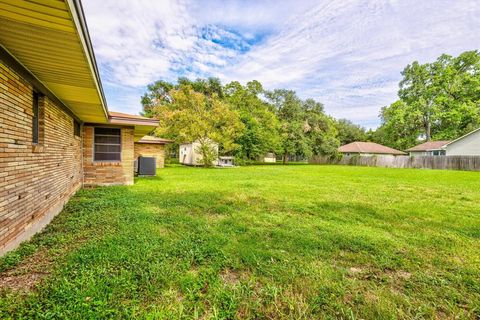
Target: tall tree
x=261 y=124
x=402 y=125
x=319 y=129
x=158 y=94
x=292 y=123
x=349 y=132
x=194 y=116
x=439 y=100
x=209 y=86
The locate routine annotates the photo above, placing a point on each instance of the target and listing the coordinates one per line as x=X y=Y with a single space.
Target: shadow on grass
x=118 y=251
x=250 y=220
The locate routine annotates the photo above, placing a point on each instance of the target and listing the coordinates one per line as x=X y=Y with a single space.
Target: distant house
x=368 y=149
x=270 y=158
x=429 y=148
x=189 y=153
x=467 y=145
x=226 y=161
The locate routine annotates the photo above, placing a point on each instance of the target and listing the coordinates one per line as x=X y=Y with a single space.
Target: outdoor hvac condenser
x=146 y=166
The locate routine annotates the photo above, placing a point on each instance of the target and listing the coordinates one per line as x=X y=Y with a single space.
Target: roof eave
x=460 y=138
x=141 y=127
x=24 y=72
x=132 y=121
x=153 y=142
x=78 y=16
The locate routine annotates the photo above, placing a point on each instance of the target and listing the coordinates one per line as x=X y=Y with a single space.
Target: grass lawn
x=257 y=242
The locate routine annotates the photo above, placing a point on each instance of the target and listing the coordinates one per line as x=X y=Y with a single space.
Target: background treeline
x=247 y=121
x=439 y=100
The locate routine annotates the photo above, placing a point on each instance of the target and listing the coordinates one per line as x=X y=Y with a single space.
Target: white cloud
x=346 y=54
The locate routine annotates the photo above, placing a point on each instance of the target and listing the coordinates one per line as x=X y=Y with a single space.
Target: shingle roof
x=154 y=140
x=368 y=147
x=429 y=145
x=143 y=126
x=125 y=115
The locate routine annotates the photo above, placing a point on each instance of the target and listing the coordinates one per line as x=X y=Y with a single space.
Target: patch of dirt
x=404 y=275
x=398 y=274
x=366 y=274
x=371 y=297
x=354 y=270
x=23 y=282
x=230 y=277
x=25 y=276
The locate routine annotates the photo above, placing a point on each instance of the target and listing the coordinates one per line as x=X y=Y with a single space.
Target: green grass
x=257 y=242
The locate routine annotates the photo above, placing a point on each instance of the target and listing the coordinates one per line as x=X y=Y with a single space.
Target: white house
x=189 y=153
x=270 y=158
x=226 y=161
x=429 y=148
x=467 y=145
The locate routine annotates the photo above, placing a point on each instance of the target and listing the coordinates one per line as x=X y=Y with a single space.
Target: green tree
x=210 y=86
x=158 y=94
x=349 y=132
x=289 y=110
x=194 y=116
x=320 y=129
x=261 y=124
x=439 y=100
x=402 y=125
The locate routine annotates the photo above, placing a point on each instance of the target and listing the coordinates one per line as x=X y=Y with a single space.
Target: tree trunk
x=285 y=158
x=428 y=130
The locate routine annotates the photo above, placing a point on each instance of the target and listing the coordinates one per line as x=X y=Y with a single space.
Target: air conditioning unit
x=147 y=166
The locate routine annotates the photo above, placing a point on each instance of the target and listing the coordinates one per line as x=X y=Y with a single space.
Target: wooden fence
x=469 y=163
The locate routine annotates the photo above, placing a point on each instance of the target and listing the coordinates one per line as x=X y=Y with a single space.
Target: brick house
x=56 y=133
x=149 y=146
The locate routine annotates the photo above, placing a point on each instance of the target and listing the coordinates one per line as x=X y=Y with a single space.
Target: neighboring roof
x=429 y=145
x=127 y=116
x=154 y=140
x=196 y=141
x=50 y=39
x=143 y=125
x=466 y=135
x=368 y=147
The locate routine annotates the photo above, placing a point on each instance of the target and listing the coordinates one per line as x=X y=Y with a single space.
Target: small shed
x=189 y=153
x=226 y=161
x=149 y=146
x=270 y=158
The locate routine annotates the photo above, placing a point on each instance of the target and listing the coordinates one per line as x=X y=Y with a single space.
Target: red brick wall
x=35 y=180
x=151 y=150
x=97 y=173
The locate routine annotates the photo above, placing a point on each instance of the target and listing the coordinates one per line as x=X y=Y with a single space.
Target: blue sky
x=345 y=54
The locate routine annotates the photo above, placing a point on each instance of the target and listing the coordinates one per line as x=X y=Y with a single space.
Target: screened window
x=107 y=144
x=35 y=127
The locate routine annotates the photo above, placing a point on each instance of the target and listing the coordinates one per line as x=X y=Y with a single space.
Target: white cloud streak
x=346 y=54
